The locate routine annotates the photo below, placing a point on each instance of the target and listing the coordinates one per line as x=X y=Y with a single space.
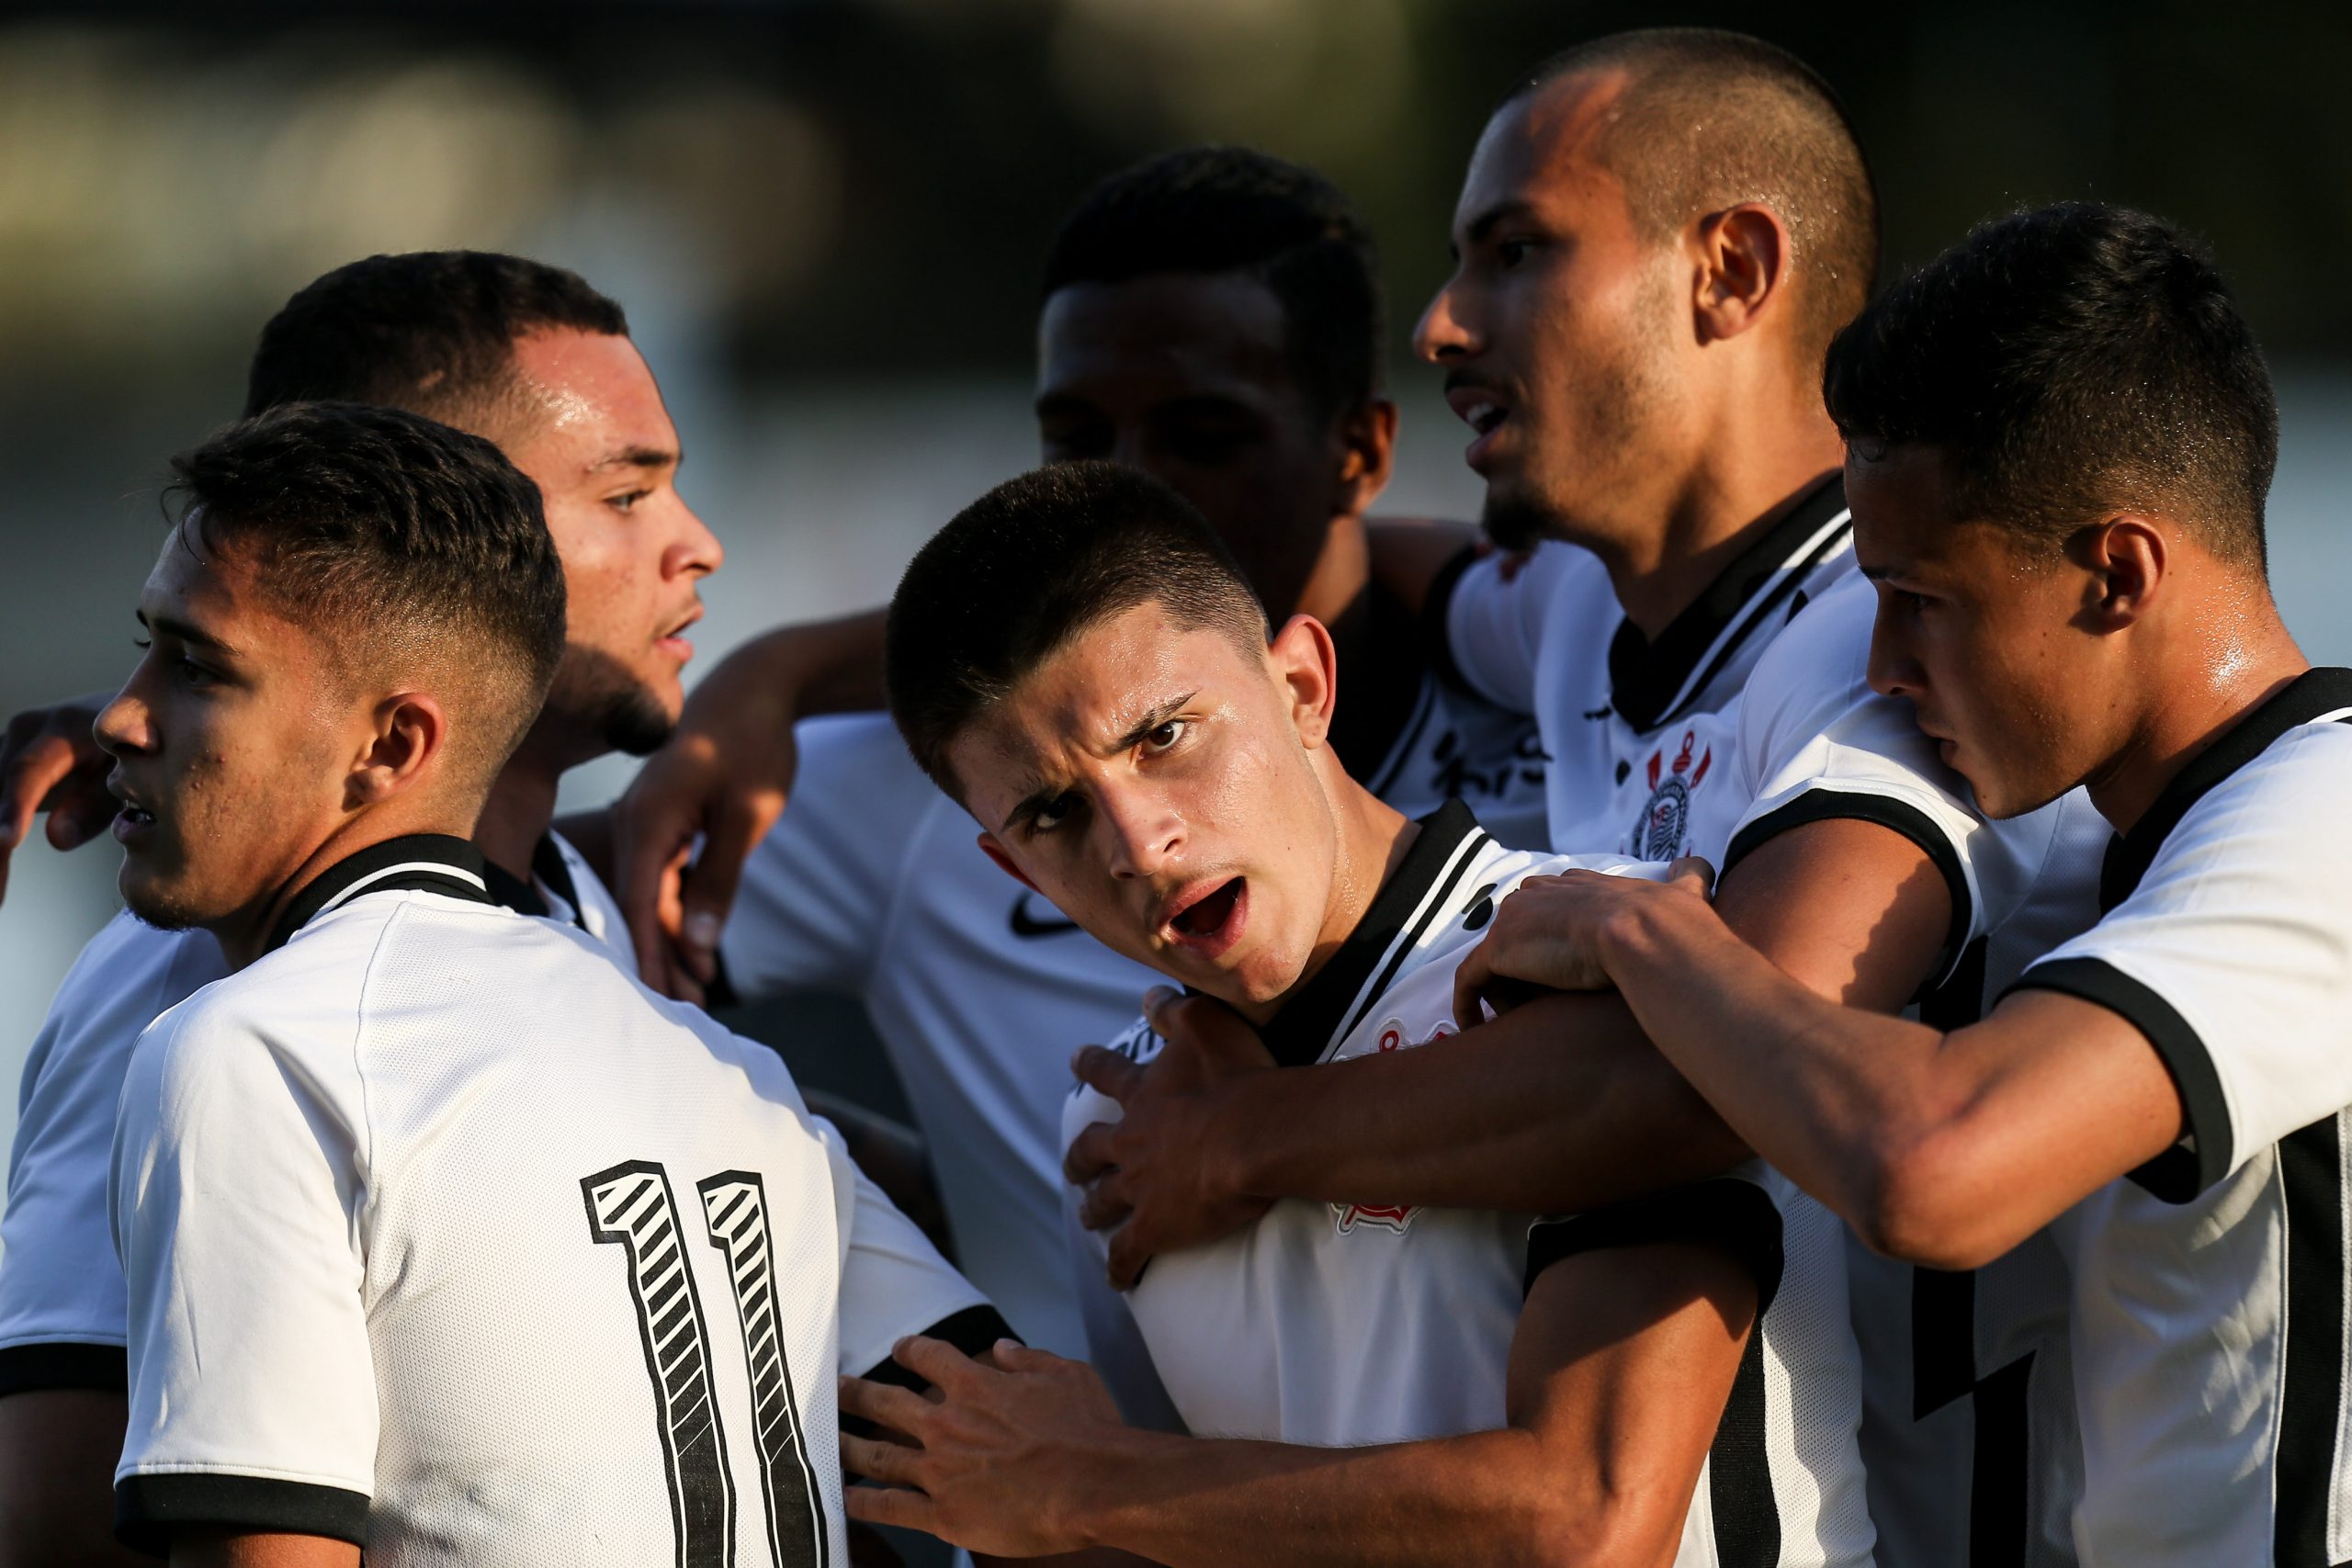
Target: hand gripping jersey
x=2211 y=1285
x=1768 y=669
x=871 y=882
x=61 y=1287
x=1344 y=1323
x=445 y=1236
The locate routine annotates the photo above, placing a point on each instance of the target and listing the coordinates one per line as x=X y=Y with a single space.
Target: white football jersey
x=873 y=882
x=61 y=1289
x=445 y=1236
x=2212 y=1287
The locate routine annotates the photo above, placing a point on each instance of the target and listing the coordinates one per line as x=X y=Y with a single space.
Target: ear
x=1743 y=266
x=1367 y=456
x=406 y=734
x=995 y=852
x=2127 y=556
x=1308 y=667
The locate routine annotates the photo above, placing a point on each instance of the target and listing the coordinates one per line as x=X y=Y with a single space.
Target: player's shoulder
x=2285 y=802
x=1821 y=655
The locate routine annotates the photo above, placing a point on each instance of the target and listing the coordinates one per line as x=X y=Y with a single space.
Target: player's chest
x=1644 y=793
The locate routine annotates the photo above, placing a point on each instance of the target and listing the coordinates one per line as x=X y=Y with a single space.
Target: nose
x=124 y=726
x=696 y=551
x=1142 y=833
x=1442 y=335
x=1893 y=671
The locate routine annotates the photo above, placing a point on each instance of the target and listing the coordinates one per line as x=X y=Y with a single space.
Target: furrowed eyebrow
x=1045 y=795
x=637 y=457
x=1493 y=217
x=171 y=625
x=1154 y=719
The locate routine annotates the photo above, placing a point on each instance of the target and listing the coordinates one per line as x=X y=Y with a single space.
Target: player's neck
x=521 y=807
x=1749 y=472
x=1373 y=839
x=1336 y=586
x=245 y=936
x=2196 y=698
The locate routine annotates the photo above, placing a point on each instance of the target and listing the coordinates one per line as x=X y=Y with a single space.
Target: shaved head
x=1696 y=120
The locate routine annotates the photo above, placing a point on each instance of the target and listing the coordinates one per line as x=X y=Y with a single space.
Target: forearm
x=57 y=1448
x=1408 y=554
x=1488 y=1497
x=825 y=666
x=1559 y=1105
x=1845 y=1085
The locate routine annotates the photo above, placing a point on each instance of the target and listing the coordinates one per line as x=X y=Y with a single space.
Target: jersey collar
x=419 y=862
x=1333 y=1002
x=1649 y=680
x=2299 y=701
x=548 y=867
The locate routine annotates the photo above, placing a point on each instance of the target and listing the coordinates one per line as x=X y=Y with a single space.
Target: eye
x=1510 y=253
x=627 y=502
x=142 y=642
x=1167 y=736
x=1073 y=444
x=1048 y=816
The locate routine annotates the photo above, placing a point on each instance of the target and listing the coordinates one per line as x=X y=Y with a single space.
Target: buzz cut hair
x=1710 y=119
x=1218 y=209
x=2069 y=364
x=431 y=332
x=407 y=547
x=1028 y=567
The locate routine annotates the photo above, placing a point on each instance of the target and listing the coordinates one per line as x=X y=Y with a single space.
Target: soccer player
x=1075 y=660
x=532 y=356
x=444 y=1238
x=1212 y=317
x=1657 y=235
x=2061 y=438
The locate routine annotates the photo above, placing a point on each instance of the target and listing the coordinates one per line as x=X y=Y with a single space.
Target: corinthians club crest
x=1665 y=815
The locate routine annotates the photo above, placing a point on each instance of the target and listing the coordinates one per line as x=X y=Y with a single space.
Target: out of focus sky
x=825 y=219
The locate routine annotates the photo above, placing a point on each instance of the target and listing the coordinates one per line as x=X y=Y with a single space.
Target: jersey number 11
x=630 y=1206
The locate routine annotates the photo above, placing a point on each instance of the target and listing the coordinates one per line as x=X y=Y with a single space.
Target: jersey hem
x=1733 y=1216
x=148 y=1508
x=28 y=1368
x=1823 y=805
x=2181 y=1172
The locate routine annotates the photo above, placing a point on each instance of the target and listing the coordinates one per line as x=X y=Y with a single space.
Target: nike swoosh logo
x=1026 y=924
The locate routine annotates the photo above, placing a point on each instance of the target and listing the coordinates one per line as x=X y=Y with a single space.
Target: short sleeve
x=60 y=1288
x=2234 y=957
x=236 y=1186
x=1816 y=744
x=817 y=892
x=1738 y=1213
x=1493 y=616
x=894 y=1282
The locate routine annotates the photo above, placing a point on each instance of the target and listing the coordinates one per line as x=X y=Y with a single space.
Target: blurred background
x=825 y=219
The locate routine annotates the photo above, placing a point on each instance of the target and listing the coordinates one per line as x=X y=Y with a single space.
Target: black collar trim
x=1649 y=680
x=421 y=862
x=1323 y=1011
x=2301 y=700
x=519 y=895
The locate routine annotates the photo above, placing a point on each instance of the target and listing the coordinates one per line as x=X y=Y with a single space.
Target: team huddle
x=1793 y=1015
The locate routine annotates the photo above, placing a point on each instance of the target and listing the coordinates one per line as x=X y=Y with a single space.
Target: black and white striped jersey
x=443 y=1236
x=61 y=1289
x=2212 y=1287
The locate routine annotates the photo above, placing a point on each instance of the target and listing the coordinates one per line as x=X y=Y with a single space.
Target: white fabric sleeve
x=894 y=1282
x=60 y=1288
x=1815 y=743
x=1494 y=616
x=817 y=893
x=239 y=1176
x=1114 y=1342
x=2234 y=956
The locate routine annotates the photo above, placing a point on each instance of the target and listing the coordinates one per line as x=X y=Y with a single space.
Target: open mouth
x=1211 y=921
x=1482 y=412
x=131 y=821
x=674 y=641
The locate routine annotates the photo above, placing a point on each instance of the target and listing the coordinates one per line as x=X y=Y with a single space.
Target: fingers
x=1691 y=874
x=1470 y=980
x=873 y=1505
x=650 y=845
x=1092 y=1153
x=886 y=1404
x=878 y=1460
x=738 y=823
x=1106 y=1072
x=1104 y=1203
x=1129 y=1257
x=938 y=1361
x=1013 y=1356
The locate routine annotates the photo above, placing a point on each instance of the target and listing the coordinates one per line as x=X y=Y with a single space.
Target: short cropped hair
x=431 y=331
x=2069 y=362
x=407 y=544
x=1033 y=564
x=1218 y=209
x=1710 y=119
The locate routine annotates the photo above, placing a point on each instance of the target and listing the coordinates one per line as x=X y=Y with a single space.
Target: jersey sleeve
x=1492 y=615
x=894 y=1282
x=2234 y=957
x=238 y=1182
x=1738 y=1213
x=61 y=1289
x=1816 y=744
x=817 y=891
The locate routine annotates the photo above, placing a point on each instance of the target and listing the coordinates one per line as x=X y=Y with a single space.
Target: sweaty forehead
x=591 y=395
x=1164 y=335
x=1545 y=146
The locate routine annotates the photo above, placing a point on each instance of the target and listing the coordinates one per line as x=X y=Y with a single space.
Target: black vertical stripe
x=2002 y=1473
x=1739 y=1470
x=1943 y=1339
x=2310 y=1172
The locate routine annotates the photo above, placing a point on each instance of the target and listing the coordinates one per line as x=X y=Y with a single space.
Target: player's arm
x=1410 y=555
x=211 y=1549
x=58 y=1448
x=723 y=776
x=1619 y=1375
x=1560 y=1104
x=1946 y=1149
x=49 y=761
